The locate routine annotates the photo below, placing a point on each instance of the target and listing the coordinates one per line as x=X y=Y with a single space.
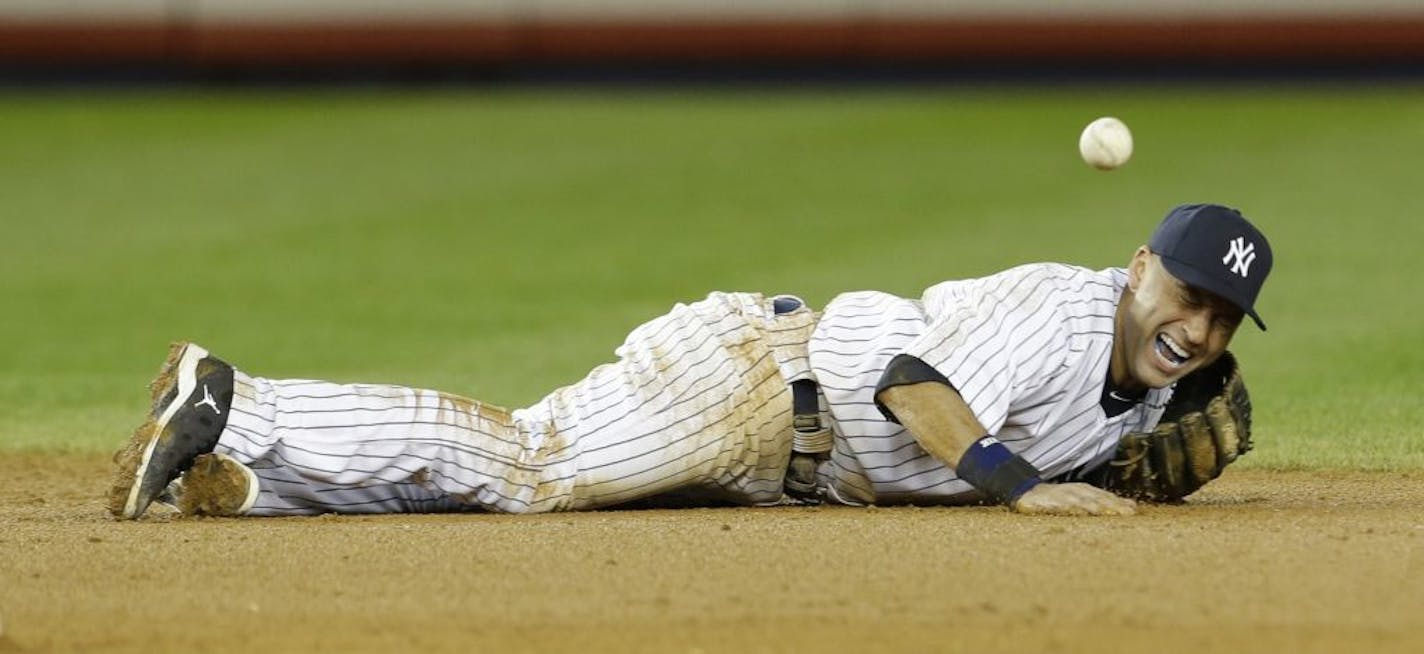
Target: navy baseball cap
x=1215 y=248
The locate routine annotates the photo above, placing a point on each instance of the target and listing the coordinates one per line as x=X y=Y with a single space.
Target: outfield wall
x=216 y=33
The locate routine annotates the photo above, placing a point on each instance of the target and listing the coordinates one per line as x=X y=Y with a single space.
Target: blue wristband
x=990 y=467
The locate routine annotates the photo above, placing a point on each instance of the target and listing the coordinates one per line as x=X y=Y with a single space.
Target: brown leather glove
x=1203 y=429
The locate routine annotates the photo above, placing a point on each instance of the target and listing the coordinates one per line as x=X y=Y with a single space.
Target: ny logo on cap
x=1243 y=252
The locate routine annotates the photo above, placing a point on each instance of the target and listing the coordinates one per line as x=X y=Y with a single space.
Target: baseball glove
x=1205 y=427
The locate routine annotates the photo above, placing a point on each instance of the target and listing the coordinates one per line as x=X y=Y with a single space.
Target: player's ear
x=1138 y=267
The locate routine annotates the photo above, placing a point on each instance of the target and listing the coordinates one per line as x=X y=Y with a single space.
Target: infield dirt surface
x=1256 y=562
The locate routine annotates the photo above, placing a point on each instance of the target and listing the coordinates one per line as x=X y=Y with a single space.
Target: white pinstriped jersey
x=1027 y=348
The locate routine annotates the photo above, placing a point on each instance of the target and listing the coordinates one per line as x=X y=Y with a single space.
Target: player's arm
x=922 y=400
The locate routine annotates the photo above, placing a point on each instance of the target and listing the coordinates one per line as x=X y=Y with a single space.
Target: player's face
x=1169 y=328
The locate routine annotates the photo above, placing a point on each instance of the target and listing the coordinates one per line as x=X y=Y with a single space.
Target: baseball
x=1106 y=143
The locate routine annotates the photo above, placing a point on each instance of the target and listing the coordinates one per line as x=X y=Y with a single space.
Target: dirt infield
x=1263 y=562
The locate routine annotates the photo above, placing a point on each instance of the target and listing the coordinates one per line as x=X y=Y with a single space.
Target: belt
x=811 y=435
x=810 y=438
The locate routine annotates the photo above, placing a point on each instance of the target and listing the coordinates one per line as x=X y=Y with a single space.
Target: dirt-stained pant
x=696 y=405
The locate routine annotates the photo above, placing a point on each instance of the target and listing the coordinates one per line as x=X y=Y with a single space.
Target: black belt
x=809 y=438
x=804 y=404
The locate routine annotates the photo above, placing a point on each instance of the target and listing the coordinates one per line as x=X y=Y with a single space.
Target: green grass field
x=499 y=244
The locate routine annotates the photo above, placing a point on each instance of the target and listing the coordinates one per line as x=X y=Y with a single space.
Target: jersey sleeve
x=996 y=341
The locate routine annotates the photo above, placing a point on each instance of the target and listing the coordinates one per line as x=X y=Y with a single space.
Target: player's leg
x=320 y=447
x=317 y=447
x=696 y=405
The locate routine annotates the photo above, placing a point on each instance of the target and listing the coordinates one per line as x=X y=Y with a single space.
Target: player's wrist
x=991 y=468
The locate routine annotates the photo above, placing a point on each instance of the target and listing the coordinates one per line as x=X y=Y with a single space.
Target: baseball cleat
x=215 y=485
x=191 y=398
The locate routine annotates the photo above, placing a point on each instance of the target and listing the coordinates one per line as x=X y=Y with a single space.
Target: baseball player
x=1047 y=387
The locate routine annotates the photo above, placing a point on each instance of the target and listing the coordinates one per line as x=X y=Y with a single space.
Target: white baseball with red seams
x=1105 y=143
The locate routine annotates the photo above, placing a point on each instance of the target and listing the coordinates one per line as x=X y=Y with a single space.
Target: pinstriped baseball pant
x=697 y=404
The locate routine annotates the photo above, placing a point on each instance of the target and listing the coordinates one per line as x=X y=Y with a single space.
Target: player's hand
x=1072 y=499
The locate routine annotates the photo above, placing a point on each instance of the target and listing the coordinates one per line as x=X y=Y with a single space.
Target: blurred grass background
x=500 y=244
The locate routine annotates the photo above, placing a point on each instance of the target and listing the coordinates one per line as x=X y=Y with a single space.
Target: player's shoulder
x=1068 y=281
x=1061 y=274
x=1038 y=278
x=1045 y=287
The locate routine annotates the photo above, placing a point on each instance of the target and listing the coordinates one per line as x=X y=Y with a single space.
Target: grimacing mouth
x=1169 y=350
